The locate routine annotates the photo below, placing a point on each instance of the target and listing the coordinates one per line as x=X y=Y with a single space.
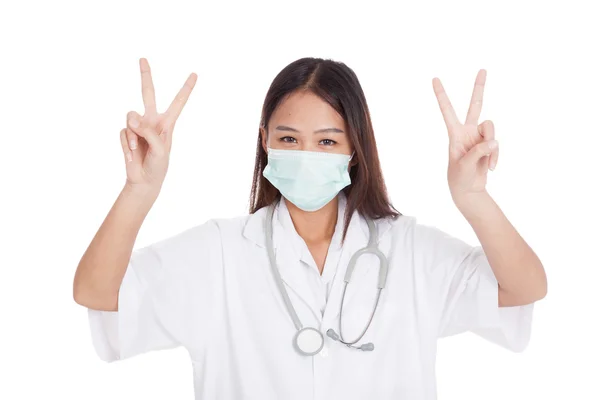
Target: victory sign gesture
x=473 y=148
x=147 y=139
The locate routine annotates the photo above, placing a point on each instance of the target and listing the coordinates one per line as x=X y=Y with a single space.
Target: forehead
x=306 y=110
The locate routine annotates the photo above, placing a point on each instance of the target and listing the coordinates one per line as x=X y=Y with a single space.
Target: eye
x=328 y=142
x=288 y=139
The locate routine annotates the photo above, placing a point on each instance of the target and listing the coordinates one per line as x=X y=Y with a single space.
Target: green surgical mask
x=309 y=179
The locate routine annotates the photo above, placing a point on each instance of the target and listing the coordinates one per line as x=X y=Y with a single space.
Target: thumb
x=137 y=126
x=156 y=145
x=478 y=151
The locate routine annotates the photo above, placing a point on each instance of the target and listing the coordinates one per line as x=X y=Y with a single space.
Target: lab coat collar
x=282 y=214
x=254 y=228
x=356 y=238
x=299 y=247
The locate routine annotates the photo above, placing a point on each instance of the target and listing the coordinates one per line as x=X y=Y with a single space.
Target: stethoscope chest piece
x=308 y=341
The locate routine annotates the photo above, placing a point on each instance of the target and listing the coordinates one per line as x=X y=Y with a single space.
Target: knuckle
x=131 y=135
x=134 y=115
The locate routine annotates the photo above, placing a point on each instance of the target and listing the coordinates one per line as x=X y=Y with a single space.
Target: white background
x=69 y=74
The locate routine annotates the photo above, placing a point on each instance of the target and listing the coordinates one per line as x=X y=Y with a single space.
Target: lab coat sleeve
x=466 y=291
x=164 y=298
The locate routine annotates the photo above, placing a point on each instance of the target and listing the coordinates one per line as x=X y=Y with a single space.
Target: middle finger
x=182 y=97
x=476 y=99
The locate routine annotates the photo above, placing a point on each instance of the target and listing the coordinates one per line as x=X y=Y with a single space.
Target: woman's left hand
x=473 y=148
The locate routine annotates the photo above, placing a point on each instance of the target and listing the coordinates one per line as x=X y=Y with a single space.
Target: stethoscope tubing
x=370 y=249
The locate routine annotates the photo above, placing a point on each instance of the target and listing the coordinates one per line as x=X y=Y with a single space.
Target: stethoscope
x=309 y=341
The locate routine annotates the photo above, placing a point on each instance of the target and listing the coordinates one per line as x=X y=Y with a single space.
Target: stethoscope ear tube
x=278 y=280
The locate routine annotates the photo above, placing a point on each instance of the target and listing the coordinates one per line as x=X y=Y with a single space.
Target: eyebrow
x=325 y=130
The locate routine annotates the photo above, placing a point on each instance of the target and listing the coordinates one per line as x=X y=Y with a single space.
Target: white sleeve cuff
x=509 y=327
x=113 y=332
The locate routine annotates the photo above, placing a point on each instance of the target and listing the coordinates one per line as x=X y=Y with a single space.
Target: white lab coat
x=211 y=290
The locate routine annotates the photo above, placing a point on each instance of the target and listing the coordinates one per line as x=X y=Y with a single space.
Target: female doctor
x=324 y=291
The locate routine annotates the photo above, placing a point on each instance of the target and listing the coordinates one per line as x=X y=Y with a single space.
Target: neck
x=317 y=226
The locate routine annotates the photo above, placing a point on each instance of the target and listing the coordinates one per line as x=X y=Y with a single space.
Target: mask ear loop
x=351 y=157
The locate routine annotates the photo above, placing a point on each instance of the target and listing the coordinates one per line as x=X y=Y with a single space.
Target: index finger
x=147 y=87
x=182 y=97
x=476 y=99
x=445 y=106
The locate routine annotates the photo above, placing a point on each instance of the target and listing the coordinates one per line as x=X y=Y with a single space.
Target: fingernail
x=133 y=144
x=493 y=144
x=129 y=158
x=133 y=123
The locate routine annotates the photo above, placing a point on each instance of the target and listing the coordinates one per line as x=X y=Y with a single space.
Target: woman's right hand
x=147 y=140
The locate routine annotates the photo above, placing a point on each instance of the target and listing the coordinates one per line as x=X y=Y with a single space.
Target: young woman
x=324 y=290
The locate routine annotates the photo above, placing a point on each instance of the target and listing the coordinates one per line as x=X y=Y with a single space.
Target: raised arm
x=146 y=144
x=102 y=267
x=473 y=150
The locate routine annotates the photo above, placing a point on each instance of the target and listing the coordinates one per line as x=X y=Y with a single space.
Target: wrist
x=471 y=204
x=142 y=195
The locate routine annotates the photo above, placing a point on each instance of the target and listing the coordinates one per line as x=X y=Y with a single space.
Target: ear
x=263 y=135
